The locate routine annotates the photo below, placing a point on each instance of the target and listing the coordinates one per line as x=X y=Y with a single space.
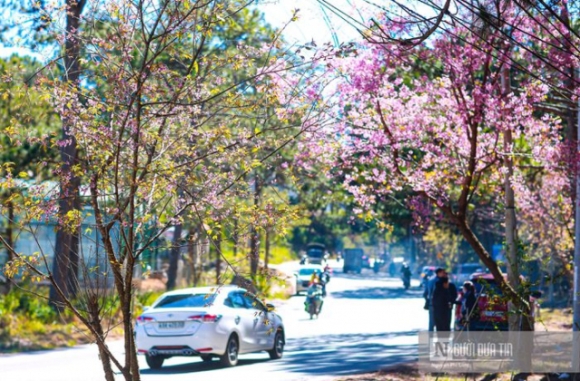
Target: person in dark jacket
x=440 y=303
x=452 y=294
x=468 y=304
x=428 y=294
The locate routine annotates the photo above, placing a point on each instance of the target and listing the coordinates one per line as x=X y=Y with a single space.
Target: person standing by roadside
x=440 y=303
x=452 y=294
x=468 y=304
x=428 y=294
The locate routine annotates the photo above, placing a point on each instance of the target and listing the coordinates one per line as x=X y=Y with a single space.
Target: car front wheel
x=230 y=358
x=278 y=350
x=154 y=362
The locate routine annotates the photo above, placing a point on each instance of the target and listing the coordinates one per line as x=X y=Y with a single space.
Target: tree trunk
x=267 y=248
x=236 y=234
x=484 y=256
x=66 y=247
x=255 y=235
x=95 y=321
x=131 y=368
x=218 y=255
x=513 y=260
x=174 y=257
x=9 y=241
x=190 y=256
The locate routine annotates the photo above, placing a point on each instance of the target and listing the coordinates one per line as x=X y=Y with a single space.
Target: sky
x=315 y=22
x=312 y=23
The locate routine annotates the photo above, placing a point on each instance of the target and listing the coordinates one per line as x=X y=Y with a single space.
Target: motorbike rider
x=314 y=294
x=406 y=274
x=326 y=274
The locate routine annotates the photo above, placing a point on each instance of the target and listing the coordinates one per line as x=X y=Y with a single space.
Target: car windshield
x=186 y=300
x=306 y=271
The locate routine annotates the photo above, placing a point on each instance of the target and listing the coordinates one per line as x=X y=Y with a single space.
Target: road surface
x=368 y=322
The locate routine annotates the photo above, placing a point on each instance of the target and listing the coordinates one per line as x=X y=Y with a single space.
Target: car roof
x=486 y=276
x=461 y=265
x=204 y=290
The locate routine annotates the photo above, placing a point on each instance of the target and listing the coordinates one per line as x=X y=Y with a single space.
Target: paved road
x=368 y=322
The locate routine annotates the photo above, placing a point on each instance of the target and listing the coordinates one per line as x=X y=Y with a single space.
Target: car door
x=263 y=323
x=244 y=320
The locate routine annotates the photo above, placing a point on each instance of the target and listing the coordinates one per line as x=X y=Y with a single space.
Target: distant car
x=462 y=272
x=304 y=275
x=491 y=307
x=208 y=322
x=316 y=254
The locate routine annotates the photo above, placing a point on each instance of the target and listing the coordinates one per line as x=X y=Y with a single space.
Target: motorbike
x=314 y=301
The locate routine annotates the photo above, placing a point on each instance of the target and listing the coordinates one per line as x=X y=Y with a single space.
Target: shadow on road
x=348 y=354
x=379 y=293
x=195 y=367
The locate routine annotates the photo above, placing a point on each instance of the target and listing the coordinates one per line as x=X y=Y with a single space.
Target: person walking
x=428 y=294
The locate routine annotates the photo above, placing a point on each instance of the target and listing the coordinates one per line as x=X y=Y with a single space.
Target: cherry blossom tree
x=438 y=134
x=165 y=123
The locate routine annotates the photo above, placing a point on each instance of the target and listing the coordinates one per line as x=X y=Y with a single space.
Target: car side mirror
x=536 y=294
x=270 y=307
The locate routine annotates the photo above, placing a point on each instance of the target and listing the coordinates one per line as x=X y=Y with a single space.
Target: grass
x=28 y=323
x=554 y=320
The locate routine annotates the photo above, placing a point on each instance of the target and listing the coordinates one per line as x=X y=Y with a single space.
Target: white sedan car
x=209 y=322
x=304 y=275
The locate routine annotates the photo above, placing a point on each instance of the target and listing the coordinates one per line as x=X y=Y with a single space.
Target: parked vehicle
x=462 y=272
x=304 y=276
x=316 y=254
x=208 y=322
x=353 y=260
x=491 y=311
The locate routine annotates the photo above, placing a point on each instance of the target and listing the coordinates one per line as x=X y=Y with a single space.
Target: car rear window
x=186 y=300
x=469 y=269
x=315 y=253
x=486 y=286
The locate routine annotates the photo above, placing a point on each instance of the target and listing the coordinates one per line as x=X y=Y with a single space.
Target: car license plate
x=493 y=313
x=171 y=325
